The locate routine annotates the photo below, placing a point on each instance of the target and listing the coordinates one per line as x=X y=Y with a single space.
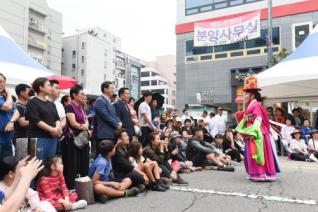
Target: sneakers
x=101 y=198
x=131 y=192
x=156 y=186
x=164 y=183
x=79 y=204
x=180 y=181
x=141 y=188
x=226 y=168
x=313 y=158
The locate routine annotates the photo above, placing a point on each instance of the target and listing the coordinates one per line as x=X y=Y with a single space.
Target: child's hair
x=119 y=133
x=106 y=146
x=133 y=150
x=218 y=136
x=7 y=164
x=48 y=162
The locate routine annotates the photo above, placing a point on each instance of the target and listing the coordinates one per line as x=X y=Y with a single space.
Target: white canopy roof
x=296 y=77
x=16 y=64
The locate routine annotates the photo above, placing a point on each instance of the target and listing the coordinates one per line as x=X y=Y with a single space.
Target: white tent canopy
x=16 y=64
x=296 y=77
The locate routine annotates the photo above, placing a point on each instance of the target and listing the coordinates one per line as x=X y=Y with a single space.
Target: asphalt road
x=223 y=191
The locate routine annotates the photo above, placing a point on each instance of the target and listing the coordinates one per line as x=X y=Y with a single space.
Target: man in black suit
x=123 y=112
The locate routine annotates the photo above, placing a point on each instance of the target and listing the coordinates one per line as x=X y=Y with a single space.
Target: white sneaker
x=313 y=158
x=79 y=204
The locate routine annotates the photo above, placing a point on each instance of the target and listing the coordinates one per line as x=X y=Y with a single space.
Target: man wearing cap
x=144 y=116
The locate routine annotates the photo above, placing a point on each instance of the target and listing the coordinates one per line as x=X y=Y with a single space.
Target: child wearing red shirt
x=52 y=187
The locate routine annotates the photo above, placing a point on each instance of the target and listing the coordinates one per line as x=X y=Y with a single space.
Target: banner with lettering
x=227 y=31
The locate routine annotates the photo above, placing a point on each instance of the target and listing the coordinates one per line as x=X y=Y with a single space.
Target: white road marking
x=250 y=196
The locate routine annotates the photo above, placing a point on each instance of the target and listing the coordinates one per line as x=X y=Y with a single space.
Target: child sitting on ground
x=218 y=144
x=149 y=168
x=51 y=186
x=8 y=174
x=100 y=171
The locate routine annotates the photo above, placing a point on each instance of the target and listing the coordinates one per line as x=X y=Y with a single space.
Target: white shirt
x=297 y=145
x=220 y=123
x=184 y=117
x=144 y=108
x=60 y=109
x=212 y=127
x=286 y=133
x=313 y=144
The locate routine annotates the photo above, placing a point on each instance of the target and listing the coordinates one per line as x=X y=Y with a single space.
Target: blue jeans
x=6 y=150
x=46 y=147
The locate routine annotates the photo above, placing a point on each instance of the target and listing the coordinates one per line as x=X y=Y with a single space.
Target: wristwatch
x=11 y=120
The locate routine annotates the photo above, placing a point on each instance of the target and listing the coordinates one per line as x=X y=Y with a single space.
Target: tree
x=279 y=57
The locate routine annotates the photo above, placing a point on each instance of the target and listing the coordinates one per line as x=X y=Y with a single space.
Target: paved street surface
x=298 y=182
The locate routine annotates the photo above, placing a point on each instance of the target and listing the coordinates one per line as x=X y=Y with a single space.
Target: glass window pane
x=236 y=2
x=202 y=50
x=189 y=47
x=197 y=3
x=276 y=36
x=145 y=74
x=206 y=8
x=229 y=47
x=192 y=11
x=221 y=5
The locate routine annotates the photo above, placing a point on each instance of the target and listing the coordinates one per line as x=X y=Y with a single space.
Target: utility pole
x=269 y=34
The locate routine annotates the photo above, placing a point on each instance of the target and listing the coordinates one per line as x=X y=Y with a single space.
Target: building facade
x=128 y=73
x=36 y=28
x=216 y=73
x=90 y=57
x=151 y=80
x=165 y=65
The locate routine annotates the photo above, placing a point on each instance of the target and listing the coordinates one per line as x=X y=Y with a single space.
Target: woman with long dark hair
x=260 y=157
x=75 y=159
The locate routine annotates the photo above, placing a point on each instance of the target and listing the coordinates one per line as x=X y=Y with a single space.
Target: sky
x=146 y=27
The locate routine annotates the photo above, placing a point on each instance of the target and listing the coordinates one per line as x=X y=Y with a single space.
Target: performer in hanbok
x=260 y=157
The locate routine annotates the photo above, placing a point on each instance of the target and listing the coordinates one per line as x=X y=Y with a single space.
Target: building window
x=261 y=41
x=160 y=91
x=154 y=82
x=74 y=53
x=145 y=74
x=200 y=6
x=173 y=102
x=144 y=83
x=73 y=67
x=300 y=33
x=154 y=74
x=83 y=45
x=82 y=72
x=162 y=82
x=83 y=59
x=173 y=93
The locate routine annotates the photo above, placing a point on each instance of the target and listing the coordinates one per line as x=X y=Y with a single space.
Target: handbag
x=81 y=140
x=84 y=189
